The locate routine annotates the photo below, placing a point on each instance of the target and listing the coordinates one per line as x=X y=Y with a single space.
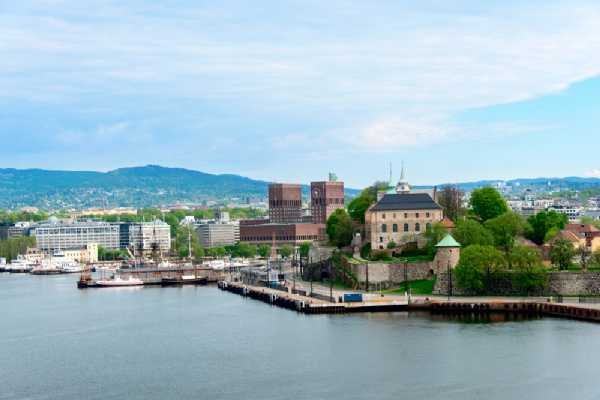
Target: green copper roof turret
x=448 y=241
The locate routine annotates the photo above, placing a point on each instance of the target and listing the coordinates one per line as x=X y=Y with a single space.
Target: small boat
x=45 y=270
x=194 y=280
x=118 y=282
x=20 y=265
x=170 y=282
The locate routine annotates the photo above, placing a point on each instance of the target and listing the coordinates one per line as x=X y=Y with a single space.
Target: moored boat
x=118 y=282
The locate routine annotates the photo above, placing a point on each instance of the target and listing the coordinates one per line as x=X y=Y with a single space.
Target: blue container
x=353 y=297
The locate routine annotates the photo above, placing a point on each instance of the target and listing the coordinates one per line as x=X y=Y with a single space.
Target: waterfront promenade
x=317 y=303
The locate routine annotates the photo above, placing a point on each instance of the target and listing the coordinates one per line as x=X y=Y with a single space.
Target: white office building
x=216 y=234
x=57 y=236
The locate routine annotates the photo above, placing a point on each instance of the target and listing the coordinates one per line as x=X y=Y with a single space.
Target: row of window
x=285 y=203
x=280 y=238
x=406 y=227
x=417 y=215
x=322 y=202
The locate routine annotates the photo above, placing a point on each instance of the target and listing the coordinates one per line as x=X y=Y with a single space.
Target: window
x=417 y=227
x=405 y=227
x=394 y=215
x=395 y=228
x=383 y=228
x=417 y=215
x=427 y=215
x=383 y=216
x=380 y=239
x=405 y=215
x=428 y=226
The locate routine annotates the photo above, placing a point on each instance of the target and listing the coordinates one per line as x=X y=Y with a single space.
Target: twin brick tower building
x=288 y=223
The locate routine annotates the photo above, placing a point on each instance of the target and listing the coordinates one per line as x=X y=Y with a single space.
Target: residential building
x=326 y=197
x=285 y=203
x=587 y=233
x=54 y=235
x=573 y=212
x=88 y=254
x=218 y=234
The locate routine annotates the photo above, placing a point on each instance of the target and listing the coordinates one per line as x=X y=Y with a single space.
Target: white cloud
x=594 y=173
x=391 y=74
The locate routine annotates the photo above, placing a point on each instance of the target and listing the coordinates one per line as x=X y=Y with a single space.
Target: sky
x=290 y=90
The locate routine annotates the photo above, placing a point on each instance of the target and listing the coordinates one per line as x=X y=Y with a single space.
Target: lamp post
x=310 y=271
x=330 y=283
x=449 y=281
x=406 y=281
x=367 y=278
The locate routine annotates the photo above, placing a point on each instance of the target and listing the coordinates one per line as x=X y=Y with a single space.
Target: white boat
x=117 y=282
x=217 y=264
x=58 y=263
x=20 y=265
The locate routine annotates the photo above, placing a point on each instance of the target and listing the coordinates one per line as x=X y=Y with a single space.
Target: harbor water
x=197 y=342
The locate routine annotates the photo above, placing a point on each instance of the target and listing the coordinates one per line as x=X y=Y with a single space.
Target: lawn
x=423 y=287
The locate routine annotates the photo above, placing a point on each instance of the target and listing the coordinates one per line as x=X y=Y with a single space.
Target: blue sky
x=290 y=90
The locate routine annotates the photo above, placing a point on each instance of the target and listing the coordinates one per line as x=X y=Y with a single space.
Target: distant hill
x=567 y=183
x=146 y=186
x=138 y=187
x=154 y=185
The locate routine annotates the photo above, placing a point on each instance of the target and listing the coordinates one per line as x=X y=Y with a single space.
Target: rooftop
x=406 y=201
x=448 y=241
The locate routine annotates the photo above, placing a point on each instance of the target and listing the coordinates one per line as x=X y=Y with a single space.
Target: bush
x=380 y=255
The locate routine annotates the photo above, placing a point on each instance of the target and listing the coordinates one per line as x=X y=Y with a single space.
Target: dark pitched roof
x=406 y=201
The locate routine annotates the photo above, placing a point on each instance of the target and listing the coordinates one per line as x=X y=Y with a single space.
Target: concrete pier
x=310 y=305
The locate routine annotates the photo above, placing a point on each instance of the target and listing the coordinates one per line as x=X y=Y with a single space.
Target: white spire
x=402 y=186
x=402 y=172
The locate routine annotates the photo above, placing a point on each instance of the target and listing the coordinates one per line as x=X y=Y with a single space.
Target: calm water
x=57 y=342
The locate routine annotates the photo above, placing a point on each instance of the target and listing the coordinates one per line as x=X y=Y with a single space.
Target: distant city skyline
x=288 y=91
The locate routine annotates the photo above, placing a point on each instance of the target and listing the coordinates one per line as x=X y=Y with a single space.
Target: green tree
x=562 y=253
x=186 y=236
x=477 y=265
x=111 y=255
x=469 y=231
x=339 y=228
x=595 y=259
x=12 y=247
x=543 y=222
x=380 y=255
x=434 y=233
x=359 y=205
x=392 y=245
x=198 y=253
x=241 y=250
x=487 y=203
x=286 y=251
x=216 y=251
x=263 y=250
x=505 y=228
x=304 y=249
x=529 y=273
x=584 y=254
